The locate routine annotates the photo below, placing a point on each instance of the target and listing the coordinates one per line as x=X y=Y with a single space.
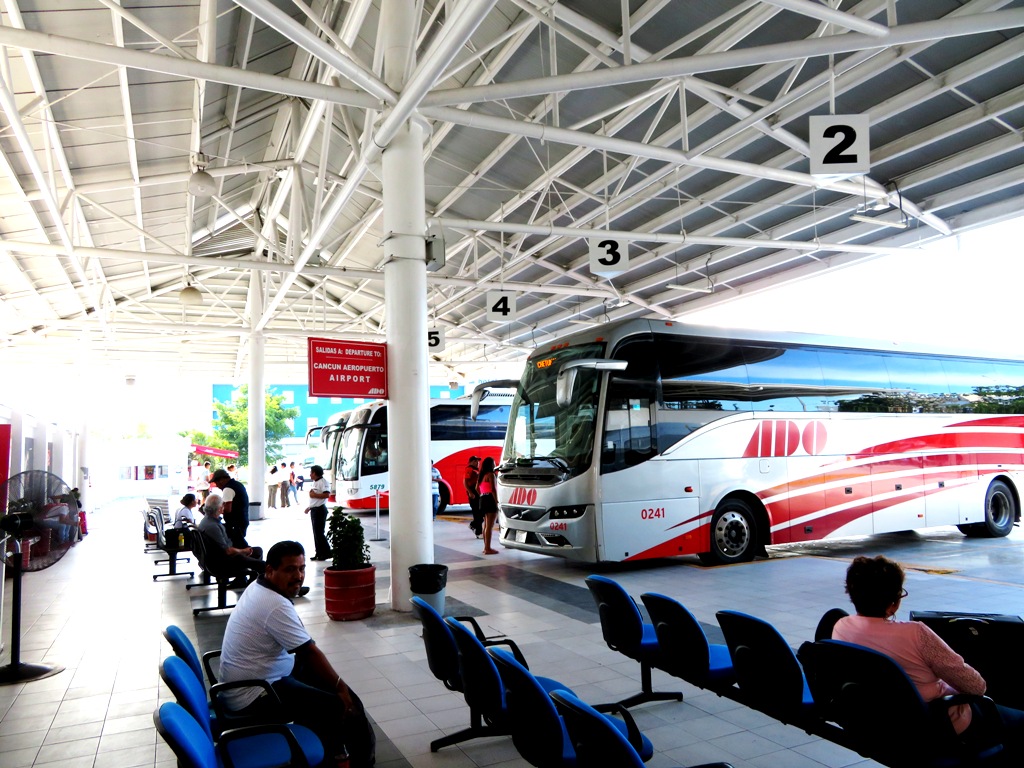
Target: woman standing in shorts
x=488 y=502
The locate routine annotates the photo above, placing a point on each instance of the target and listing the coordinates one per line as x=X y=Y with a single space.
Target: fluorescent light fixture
x=583 y=321
x=878 y=222
x=688 y=288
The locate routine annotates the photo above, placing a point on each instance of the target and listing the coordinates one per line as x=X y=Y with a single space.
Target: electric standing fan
x=42 y=521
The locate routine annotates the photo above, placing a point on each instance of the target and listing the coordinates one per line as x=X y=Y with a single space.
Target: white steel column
x=17 y=443
x=57 y=455
x=39 y=447
x=405 y=311
x=257 y=403
x=82 y=466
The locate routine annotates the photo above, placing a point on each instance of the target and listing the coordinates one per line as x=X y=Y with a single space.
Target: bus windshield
x=351 y=444
x=540 y=430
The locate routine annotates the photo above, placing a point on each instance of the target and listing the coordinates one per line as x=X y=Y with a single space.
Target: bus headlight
x=567 y=513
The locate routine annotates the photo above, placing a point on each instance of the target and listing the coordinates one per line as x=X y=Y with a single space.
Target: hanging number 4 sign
x=435 y=340
x=839 y=144
x=608 y=256
x=501 y=306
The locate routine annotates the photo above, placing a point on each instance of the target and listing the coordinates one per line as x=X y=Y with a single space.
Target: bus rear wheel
x=733 y=535
x=445 y=498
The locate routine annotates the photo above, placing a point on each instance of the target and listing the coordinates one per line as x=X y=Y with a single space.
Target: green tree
x=231 y=427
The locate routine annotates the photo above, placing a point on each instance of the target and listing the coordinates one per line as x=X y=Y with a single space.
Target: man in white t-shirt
x=266 y=640
x=317 y=511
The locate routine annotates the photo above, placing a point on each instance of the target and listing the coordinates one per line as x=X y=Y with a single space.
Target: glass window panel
x=783 y=379
x=972 y=383
x=857 y=381
x=1005 y=395
x=491 y=423
x=920 y=382
x=448 y=422
x=706 y=376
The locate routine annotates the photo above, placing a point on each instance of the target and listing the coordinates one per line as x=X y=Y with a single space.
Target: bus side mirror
x=566 y=379
x=480 y=392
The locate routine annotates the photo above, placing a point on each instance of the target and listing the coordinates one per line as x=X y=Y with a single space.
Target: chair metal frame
x=200 y=544
x=172 y=558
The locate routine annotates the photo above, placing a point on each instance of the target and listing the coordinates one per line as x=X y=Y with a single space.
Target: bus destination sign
x=339 y=368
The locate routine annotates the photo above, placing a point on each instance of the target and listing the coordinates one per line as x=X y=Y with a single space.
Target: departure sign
x=340 y=368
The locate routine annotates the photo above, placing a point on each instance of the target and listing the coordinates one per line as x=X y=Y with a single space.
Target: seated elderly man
x=246 y=564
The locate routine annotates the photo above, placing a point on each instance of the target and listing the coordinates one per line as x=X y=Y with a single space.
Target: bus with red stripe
x=360 y=451
x=644 y=439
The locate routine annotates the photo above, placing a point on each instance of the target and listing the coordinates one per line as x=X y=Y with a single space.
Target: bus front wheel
x=445 y=498
x=1000 y=510
x=733 y=535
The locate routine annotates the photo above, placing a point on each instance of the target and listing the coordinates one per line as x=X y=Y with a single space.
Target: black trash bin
x=428 y=581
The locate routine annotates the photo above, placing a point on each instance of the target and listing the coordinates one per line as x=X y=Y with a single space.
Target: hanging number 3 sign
x=435 y=340
x=839 y=144
x=501 y=306
x=608 y=256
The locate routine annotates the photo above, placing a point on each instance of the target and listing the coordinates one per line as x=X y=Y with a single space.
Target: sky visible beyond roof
x=962 y=292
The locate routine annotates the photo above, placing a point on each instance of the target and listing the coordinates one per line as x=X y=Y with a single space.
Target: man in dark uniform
x=235 y=509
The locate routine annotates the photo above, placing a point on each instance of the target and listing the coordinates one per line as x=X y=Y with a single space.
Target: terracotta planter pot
x=350 y=594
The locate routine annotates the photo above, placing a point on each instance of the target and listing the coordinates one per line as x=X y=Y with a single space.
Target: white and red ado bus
x=359 y=454
x=644 y=439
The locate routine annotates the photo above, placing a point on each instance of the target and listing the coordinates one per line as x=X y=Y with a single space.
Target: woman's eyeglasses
x=903 y=593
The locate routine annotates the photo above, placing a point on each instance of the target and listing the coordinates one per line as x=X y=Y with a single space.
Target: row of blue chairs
x=549 y=725
x=849 y=694
x=205 y=736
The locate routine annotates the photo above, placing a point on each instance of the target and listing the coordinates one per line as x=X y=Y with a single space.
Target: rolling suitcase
x=989 y=642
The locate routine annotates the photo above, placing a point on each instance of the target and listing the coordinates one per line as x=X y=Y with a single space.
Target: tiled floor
x=99 y=614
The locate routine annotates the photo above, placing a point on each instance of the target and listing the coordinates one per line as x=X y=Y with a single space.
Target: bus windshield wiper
x=557 y=461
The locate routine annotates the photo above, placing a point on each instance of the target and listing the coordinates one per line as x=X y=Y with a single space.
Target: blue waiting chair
x=769 y=676
x=185 y=651
x=442 y=652
x=625 y=631
x=883 y=716
x=538 y=730
x=263 y=746
x=685 y=650
x=191 y=695
x=597 y=740
x=482 y=688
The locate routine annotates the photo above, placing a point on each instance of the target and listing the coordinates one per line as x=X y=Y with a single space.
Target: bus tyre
x=445 y=498
x=733 y=535
x=1000 y=510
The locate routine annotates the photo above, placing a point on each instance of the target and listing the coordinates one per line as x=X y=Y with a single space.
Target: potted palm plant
x=350 y=581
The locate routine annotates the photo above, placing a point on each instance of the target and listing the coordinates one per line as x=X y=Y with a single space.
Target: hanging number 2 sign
x=501 y=306
x=608 y=256
x=839 y=144
x=435 y=340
